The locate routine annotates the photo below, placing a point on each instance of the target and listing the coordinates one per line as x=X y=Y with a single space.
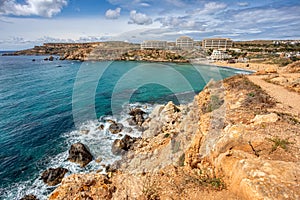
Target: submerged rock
x=29 y=197
x=53 y=176
x=79 y=153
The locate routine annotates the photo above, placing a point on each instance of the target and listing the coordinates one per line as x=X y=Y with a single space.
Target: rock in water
x=51 y=58
x=137 y=116
x=53 y=176
x=115 y=128
x=78 y=153
x=29 y=197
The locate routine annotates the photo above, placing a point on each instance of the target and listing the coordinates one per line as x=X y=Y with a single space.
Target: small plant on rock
x=278 y=142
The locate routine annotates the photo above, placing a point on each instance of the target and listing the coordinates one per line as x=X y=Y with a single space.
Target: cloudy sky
x=24 y=23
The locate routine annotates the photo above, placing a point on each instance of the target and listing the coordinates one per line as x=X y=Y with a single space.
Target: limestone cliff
x=231 y=142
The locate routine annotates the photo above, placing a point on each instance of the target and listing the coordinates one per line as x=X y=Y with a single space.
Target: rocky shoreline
x=232 y=142
x=105 y=51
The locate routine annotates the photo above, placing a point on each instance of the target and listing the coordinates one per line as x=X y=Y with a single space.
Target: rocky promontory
x=103 y=51
x=234 y=141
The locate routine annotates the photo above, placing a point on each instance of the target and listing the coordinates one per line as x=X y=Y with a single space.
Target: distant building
x=217 y=43
x=154 y=44
x=185 y=42
x=219 y=55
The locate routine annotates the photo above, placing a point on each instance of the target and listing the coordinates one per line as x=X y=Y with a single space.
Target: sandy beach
x=248 y=66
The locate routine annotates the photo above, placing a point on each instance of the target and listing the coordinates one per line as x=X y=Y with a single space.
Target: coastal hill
x=238 y=139
x=113 y=50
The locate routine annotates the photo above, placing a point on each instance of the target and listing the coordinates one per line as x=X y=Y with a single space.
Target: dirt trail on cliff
x=289 y=100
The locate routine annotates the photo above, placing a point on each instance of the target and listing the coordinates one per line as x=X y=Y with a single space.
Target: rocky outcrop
x=102 y=51
x=79 y=153
x=53 y=176
x=84 y=186
x=115 y=128
x=231 y=135
x=153 y=56
x=123 y=145
x=137 y=117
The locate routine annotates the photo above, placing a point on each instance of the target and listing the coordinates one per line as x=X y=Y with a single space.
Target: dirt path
x=290 y=101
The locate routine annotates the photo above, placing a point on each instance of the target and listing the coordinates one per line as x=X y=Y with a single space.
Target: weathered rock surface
x=84 y=186
x=53 y=176
x=79 y=153
x=231 y=134
x=122 y=145
x=137 y=117
x=115 y=128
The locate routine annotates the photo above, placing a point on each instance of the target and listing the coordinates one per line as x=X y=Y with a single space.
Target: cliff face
x=231 y=136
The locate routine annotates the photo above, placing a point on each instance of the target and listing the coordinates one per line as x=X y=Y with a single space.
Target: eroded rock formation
x=231 y=135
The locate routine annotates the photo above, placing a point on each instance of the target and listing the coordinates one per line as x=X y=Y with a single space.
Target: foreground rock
x=79 y=153
x=53 y=176
x=84 y=186
x=231 y=135
x=137 y=117
x=122 y=145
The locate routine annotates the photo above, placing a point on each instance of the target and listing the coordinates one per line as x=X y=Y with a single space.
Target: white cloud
x=180 y=23
x=139 y=18
x=44 y=8
x=210 y=8
x=113 y=14
x=243 y=4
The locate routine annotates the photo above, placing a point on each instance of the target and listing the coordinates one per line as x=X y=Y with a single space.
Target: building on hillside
x=185 y=42
x=219 y=55
x=217 y=43
x=154 y=44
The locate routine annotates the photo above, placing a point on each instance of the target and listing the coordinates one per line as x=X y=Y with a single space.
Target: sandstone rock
x=268 y=118
x=280 y=80
x=53 y=176
x=78 y=153
x=122 y=145
x=115 y=128
x=137 y=116
x=29 y=197
x=84 y=186
x=156 y=111
x=271 y=69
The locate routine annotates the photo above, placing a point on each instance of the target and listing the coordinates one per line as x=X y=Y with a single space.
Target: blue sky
x=24 y=23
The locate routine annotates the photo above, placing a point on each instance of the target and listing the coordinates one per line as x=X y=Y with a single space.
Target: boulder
x=115 y=128
x=29 y=197
x=137 y=116
x=51 y=58
x=122 y=145
x=53 y=176
x=79 y=153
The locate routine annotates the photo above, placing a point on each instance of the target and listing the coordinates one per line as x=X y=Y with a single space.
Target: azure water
x=44 y=105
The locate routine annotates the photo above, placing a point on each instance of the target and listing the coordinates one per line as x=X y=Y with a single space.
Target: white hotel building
x=185 y=42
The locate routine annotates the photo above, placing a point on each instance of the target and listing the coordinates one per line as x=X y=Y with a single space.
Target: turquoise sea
x=45 y=104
